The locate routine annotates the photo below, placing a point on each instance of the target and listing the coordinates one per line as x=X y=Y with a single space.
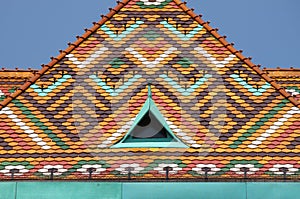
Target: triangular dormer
x=150 y=130
x=224 y=112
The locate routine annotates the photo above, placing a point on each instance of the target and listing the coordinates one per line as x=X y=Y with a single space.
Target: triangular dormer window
x=150 y=130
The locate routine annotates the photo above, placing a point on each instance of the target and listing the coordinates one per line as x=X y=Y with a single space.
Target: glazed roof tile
x=288 y=78
x=11 y=80
x=229 y=113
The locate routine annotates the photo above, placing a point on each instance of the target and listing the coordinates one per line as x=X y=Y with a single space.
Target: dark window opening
x=149 y=129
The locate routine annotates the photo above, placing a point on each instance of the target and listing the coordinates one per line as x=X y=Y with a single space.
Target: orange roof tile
x=11 y=80
x=289 y=78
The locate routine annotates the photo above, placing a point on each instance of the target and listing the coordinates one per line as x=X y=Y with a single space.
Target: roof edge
x=18 y=70
x=239 y=54
x=63 y=53
x=282 y=69
x=105 y=18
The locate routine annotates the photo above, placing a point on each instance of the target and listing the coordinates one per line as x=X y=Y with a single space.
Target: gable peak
x=146 y=4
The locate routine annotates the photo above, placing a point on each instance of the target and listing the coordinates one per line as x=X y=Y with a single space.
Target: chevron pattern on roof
x=230 y=114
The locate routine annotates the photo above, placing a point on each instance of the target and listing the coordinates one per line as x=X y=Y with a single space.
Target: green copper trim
x=149 y=91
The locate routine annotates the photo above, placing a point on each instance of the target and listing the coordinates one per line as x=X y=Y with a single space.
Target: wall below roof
x=93 y=190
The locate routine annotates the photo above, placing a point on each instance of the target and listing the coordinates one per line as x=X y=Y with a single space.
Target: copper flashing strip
x=236 y=52
x=62 y=54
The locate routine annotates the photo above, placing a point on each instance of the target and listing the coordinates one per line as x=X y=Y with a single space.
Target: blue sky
x=33 y=30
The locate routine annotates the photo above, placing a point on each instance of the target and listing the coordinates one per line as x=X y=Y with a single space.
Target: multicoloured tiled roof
x=11 y=80
x=232 y=117
x=289 y=78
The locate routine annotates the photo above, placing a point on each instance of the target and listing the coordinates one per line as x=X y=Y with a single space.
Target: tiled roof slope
x=10 y=80
x=230 y=114
x=287 y=78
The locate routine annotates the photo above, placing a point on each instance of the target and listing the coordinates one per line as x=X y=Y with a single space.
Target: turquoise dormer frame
x=169 y=141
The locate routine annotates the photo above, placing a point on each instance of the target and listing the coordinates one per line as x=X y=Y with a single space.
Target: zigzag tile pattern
x=227 y=114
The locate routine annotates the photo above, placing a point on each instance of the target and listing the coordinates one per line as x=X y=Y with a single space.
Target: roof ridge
x=63 y=53
x=281 y=69
x=236 y=52
x=18 y=70
x=113 y=11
